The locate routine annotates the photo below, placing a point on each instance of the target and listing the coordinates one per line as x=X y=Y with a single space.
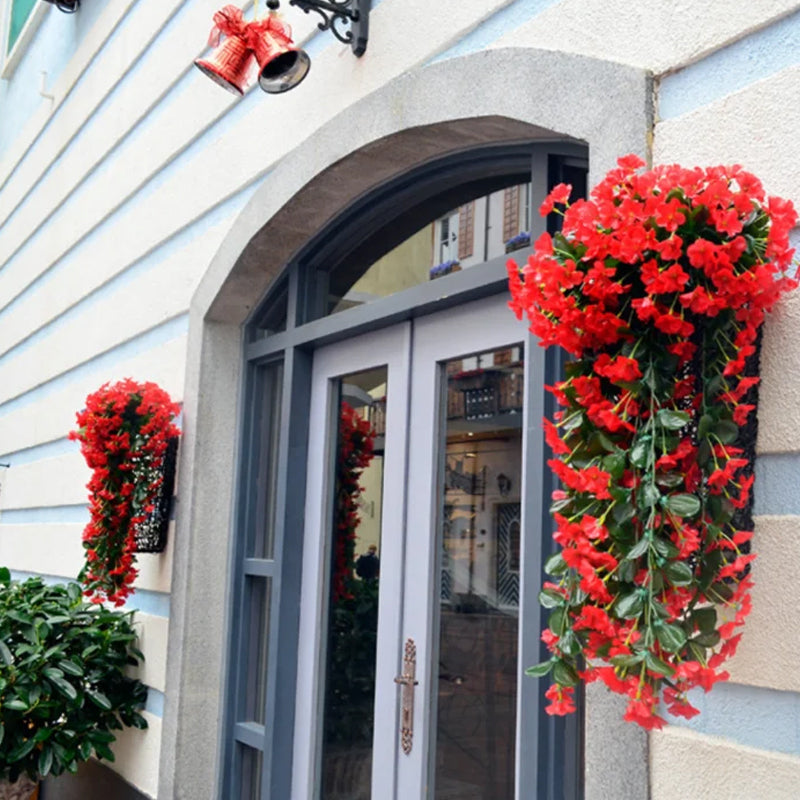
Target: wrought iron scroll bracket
x=348 y=20
x=408 y=680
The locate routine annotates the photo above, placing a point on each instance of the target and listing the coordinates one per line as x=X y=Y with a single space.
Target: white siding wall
x=115 y=196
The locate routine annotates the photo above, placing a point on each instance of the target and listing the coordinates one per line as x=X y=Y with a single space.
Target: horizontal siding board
x=52 y=416
x=161 y=290
x=56 y=550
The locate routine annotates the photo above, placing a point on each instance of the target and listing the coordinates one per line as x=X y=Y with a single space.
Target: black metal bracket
x=348 y=20
x=67 y=6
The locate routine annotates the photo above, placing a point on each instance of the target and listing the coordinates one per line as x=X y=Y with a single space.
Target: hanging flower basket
x=657 y=287
x=125 y=432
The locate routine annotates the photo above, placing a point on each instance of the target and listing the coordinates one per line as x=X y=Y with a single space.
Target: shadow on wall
x=93 y=781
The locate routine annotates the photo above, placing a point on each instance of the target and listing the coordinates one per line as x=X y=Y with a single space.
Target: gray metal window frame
x=552 y=759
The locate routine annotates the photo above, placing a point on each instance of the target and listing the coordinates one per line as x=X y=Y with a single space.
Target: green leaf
x=640 y=454
x=639 y=549
x=45 y=761
x=710 y=639
x=5 y=575
x=103 y=752
x=650 y=496
x=549 y=598
x=630 y=605
x=671 y=637
x=540 y=670
x=672 y=420
x=556 y=621
x=65 y=687
x=99 y=699
x=6 y=654
x=623 y=512
x=71 y=668
x=15 y=704
x=704 y=425
x=19 y=752
x=684 y=505
x=569 y=644
x=655 y=664
x=727 y=431
x=705 y=619
x=564 y=674
x=679 y=573
x=628 y=660
x=664 y=548
x=555 y=565
x=614 y=464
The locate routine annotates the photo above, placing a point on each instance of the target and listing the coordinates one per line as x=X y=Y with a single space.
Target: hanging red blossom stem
x=124 y=432
x=656 y=286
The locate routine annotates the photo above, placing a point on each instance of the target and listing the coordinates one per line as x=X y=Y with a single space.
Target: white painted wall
x=115 y=197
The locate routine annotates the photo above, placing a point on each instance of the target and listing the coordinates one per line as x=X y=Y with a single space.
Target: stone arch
x=435 y=111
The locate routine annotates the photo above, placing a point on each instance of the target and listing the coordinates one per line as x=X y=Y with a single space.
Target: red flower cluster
x=657 y=285
x=124 y=432
x=356 y=451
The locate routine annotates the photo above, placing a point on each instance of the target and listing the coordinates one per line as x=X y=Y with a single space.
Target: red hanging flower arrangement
x=124 y=432
x=356 y=451
x=657 y=287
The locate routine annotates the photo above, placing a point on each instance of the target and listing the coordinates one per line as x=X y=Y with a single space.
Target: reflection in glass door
x=479 y=537
x=352 y=624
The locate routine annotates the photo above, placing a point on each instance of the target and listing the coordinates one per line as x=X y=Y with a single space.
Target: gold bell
x=280 y=66
x=229 y=64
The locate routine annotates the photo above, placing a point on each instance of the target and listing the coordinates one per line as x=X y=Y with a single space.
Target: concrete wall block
x=652 y=34
x=685 y=764
x=769 y=651
x=48 y=416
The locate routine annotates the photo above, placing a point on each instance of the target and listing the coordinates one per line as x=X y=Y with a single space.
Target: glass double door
x=409 y=624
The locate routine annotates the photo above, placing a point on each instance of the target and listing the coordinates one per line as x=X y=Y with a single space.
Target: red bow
x=229 y=21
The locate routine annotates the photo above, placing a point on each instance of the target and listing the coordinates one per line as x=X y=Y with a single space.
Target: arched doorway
x=368 y=147
x=393 y=319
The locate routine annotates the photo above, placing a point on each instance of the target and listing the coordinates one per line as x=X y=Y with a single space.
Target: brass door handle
x=408 y=681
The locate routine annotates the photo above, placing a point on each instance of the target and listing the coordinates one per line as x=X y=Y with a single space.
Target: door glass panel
x=479 y=540
x=354 y=580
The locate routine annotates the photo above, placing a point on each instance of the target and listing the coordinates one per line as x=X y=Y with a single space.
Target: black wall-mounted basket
x=151 y=535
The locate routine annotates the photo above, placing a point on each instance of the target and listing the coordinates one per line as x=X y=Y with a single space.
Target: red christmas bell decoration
x=231 y=62
x=281 y=65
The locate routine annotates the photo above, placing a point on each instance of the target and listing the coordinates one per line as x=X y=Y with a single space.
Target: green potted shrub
x=64 y=691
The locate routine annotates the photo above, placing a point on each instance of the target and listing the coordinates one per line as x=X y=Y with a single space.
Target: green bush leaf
x=21 y=751
x=65 y=687
x=684 y=505
x=99 y=699
x=45 y=761
x=6 y=654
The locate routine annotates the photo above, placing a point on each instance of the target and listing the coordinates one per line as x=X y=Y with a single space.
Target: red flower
x=561 y=700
